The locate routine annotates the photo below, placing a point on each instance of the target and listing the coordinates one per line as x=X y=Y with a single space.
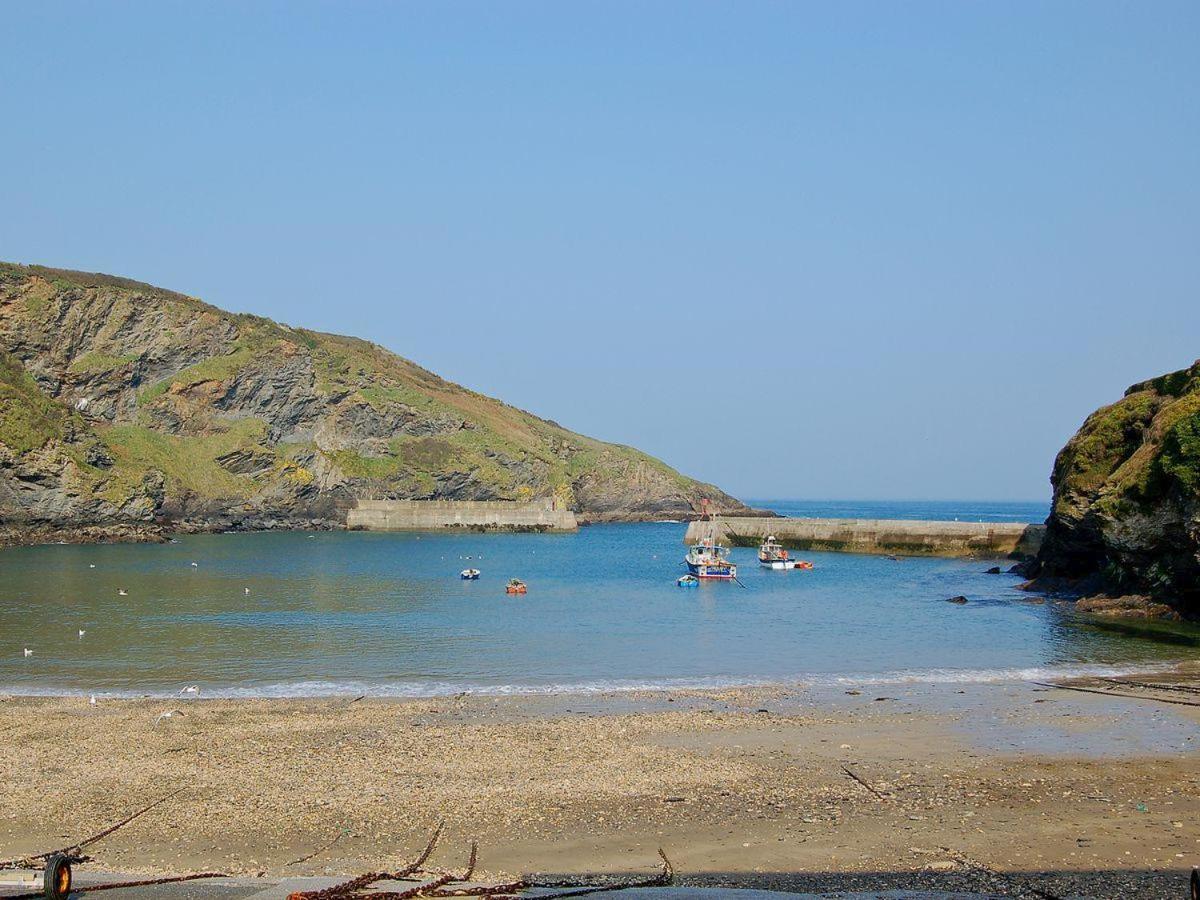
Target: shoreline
x=610 y=689
x=744 y=785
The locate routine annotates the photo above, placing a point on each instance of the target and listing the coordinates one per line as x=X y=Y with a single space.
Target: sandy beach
x=772 y=787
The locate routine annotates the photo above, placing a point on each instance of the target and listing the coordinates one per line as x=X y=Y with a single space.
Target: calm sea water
x=350 y=613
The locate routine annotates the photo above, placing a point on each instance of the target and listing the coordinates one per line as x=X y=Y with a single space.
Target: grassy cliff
x=1126 y=511
x=120 y=401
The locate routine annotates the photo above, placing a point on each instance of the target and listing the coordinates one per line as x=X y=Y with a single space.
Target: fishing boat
x=469 y=574
x=772 y=555
x=708 y=559
x=515 y=586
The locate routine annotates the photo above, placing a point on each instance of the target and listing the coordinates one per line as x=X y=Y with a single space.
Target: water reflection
x=354 y=611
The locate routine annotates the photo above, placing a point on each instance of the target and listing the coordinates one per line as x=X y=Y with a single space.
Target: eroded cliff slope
x=121 y=402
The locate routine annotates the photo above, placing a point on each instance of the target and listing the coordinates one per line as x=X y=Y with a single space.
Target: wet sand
x=741 y=787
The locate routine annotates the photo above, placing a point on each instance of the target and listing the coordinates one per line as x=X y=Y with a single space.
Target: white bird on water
x=82 y=632
x=247 y=590
x=123 y=592
x=169 y=714
x=91 y=565
x=192 y=690
x=28 y=652
x=195 y=565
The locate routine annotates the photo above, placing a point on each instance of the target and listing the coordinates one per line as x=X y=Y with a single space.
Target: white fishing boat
x=772 y=555
x=708 y=559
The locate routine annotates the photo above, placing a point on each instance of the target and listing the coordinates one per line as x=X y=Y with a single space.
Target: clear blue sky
x=868 y=250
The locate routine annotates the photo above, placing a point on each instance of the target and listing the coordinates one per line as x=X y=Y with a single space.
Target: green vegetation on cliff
x=163 y=405
x=28 y=418
x=1126 y=508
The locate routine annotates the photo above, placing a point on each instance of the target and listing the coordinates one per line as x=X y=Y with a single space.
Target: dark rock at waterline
x=994 y=570
x=19 y=535
x=959 y=599
x=1129 y=606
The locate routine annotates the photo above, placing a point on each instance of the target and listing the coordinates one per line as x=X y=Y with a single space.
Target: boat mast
x=707 y=515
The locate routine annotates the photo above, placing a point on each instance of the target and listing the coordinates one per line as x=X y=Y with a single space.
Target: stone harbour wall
x=486 y=515
x=900 y=537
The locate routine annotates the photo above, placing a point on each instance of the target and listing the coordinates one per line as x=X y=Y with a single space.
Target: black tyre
x=56 y=880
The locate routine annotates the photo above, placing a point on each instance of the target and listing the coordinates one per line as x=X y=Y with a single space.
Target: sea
x=311 y=614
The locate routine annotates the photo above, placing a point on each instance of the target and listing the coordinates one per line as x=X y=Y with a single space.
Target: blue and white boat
x=469 y=574
x=708 y=559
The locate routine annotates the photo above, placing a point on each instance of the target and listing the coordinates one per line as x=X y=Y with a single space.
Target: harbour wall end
x=900 y=537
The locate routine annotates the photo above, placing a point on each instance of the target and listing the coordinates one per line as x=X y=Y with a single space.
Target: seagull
x=92 y=700
x=247 y=590
x=191 y=689
x=169 y=714
x=28 y=652
x=195 y=565
x=82 y=632
x=123 y=592
x=91 y=565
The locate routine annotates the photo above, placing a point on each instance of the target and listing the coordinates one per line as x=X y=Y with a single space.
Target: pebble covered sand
x=744 y=787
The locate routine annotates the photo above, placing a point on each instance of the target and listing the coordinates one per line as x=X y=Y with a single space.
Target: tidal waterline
x=309 y=614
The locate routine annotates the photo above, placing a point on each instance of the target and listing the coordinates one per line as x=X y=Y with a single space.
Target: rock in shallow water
x=1130 y=606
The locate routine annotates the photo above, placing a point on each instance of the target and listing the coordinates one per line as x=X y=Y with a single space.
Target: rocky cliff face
x=1126 y=512
x=124 y=403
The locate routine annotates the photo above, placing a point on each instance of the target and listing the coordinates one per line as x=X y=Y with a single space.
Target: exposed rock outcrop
x=124 y=403
x=1131 y=606
x=1126 y=511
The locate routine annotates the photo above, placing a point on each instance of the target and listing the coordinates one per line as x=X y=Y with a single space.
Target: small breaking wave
x=421 y=689
x=990 y=676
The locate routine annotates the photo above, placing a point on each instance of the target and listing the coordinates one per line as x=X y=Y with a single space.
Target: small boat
x=771 y=555
x=787 y=564
x=515 y=586
x=708 y=559
x=687 y=581
x=469 y=574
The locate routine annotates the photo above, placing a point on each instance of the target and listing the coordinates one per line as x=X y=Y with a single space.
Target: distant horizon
x=854 y=250
x=1026 y=501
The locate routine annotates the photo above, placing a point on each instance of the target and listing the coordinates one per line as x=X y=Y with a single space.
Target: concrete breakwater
x=901 y=537
x=476 y=515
